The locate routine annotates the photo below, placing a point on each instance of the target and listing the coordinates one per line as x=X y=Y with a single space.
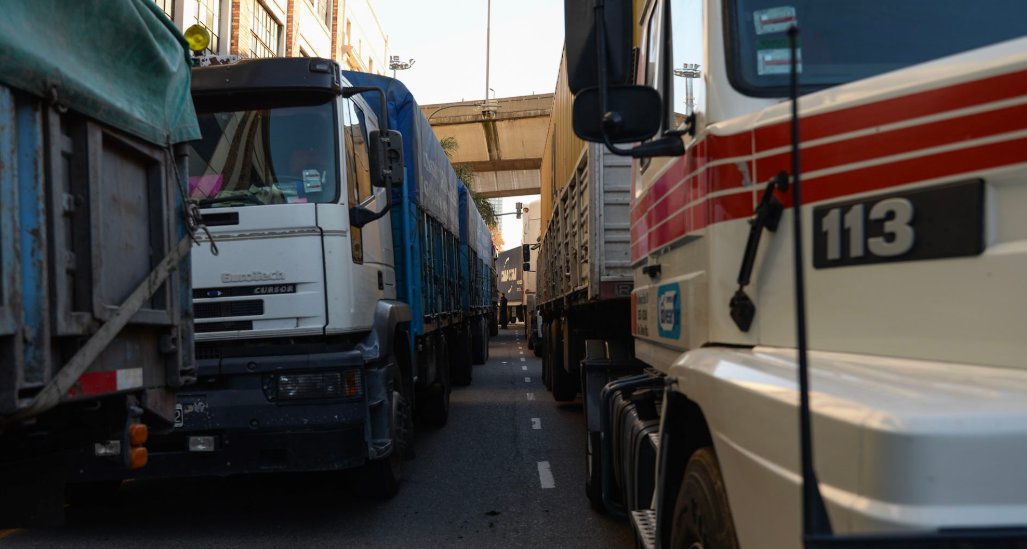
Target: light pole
x=488 y=110
x=395 y=64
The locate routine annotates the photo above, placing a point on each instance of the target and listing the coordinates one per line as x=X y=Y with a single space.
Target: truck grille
x=251 y=307
x=223 y=326
x=239 y=291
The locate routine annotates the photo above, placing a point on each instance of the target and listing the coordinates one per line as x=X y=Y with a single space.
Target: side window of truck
x=358 y=174
x=686 y=46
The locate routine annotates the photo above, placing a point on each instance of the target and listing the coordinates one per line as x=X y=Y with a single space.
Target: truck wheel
x=702 y=517
x=485 y=343
x=436 y=401
x=380 y=479
x=547 y=357
x=462 y=370
x=479 y=341
x=564 y=385
x=594 y=470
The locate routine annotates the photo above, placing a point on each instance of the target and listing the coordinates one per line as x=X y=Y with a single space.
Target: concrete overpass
x=502 y=141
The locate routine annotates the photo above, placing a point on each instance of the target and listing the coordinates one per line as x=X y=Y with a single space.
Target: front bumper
x=251 y=433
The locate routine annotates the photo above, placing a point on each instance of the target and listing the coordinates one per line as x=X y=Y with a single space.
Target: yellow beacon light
x=197 y=37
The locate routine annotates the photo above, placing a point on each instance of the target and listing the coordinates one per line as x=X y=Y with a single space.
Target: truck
x=826 y=247
x=477 y=285
x=445 y=253
x=329 y=313
x=96 y=329
x=531 y=232
x=511 y=282
x=584 y=277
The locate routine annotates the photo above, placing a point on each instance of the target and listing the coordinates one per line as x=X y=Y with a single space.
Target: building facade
x=347 y=31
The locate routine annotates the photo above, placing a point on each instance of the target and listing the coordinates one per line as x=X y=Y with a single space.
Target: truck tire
x=462 y=370
x=564 y=385
x=436 y=397
x=702 y=517
x=594 y=470
x=479 y=341
x=380 y=479
x=485 y=344
x=547 y=356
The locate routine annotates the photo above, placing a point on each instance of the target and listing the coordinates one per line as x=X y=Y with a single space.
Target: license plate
x=914 y=225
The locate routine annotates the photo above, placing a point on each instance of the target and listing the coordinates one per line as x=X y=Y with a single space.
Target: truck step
x=644 y=522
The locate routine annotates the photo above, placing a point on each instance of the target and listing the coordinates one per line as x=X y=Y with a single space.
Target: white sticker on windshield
x=311 y=181
x=776 y=61
x=774 y=19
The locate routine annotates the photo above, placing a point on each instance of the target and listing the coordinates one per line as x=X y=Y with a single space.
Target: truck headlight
x=314 y=385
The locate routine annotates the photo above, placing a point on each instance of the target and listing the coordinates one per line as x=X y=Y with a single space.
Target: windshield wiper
x=231 y=198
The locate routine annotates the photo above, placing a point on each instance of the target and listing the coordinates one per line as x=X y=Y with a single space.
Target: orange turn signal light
x=137 y=457
x=138 y=433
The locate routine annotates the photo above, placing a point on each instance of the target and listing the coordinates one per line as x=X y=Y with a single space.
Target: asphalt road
x=507 y=471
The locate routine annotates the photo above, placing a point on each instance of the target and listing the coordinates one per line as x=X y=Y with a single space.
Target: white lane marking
x=525 y=368
x=523 y=359
x=536 y=423
x=503 y=362
x=545 y=475
x=531 y=396
x=527 y=380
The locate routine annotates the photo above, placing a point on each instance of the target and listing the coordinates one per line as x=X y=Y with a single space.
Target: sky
x=446 y=39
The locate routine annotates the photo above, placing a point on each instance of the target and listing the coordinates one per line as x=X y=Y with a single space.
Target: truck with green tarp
x=95 y=317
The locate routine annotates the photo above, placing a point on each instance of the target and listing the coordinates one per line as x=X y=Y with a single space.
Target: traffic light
x=520 y=206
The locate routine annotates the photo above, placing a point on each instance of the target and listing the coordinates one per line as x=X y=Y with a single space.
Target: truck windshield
x=265 y=156
x=845 y=40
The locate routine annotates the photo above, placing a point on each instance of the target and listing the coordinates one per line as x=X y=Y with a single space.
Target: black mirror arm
x=383 y=111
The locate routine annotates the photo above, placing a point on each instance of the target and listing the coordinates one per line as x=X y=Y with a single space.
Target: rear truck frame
x=584 y=278
x=95 y=319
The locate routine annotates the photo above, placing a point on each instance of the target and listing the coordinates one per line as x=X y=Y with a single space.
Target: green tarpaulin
x=121 y=62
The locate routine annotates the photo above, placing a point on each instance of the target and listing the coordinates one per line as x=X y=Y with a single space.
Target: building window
x=208 y=15
x=168 y=7
x=323 y=9
x=267 y=33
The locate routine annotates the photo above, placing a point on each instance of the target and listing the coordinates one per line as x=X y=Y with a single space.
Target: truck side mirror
x=386 y=157
x=583 y=57
x=632 y=114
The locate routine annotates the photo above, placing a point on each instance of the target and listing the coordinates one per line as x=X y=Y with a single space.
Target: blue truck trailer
x=438 y=233
x=96 y=330
x=477 y=274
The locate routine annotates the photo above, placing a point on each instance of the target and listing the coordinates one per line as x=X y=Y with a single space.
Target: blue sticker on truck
x=668 y=308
